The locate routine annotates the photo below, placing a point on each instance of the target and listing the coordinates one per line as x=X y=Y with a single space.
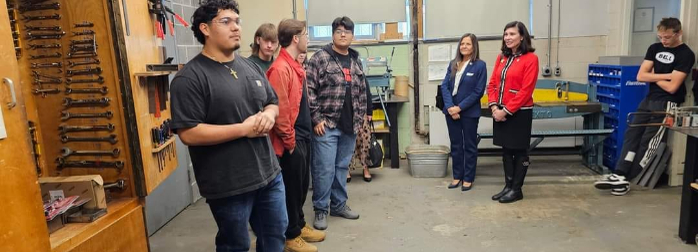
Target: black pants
x=640 y=143
x=296 y=171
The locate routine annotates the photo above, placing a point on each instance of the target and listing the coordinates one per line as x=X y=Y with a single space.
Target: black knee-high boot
x=508 y=163
x=521 y=162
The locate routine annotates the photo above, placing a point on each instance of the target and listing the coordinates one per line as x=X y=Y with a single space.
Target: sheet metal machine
x=379 y=82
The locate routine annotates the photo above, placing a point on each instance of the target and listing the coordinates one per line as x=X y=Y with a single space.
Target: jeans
x=332 y=154
x=264 y=208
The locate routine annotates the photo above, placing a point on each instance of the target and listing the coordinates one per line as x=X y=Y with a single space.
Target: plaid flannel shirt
x=326 y=88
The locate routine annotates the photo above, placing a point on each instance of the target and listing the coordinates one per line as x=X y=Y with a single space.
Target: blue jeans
x=463 y=136
x=264 y=208
x=332 y=154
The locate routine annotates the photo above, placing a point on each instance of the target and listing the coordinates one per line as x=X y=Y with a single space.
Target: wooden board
x=121 y=229
x=46 y=110
x=23 y=227
x=139 y=52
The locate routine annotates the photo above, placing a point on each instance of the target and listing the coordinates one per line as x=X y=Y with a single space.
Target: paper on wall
x=437 y=70
x=439 y=52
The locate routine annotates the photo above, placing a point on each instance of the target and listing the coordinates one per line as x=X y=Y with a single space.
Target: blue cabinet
x=618 y=88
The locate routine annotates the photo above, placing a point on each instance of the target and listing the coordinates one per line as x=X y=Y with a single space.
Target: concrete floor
x=561 y=212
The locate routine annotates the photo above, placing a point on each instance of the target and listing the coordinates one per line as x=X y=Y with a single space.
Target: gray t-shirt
x=205 y=91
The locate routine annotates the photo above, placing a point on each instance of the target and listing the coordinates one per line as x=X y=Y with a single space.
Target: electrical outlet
x=547 y=72
x=558 y=71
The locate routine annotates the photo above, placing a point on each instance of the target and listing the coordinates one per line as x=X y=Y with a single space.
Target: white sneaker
x=611 y=182
x=621 y=190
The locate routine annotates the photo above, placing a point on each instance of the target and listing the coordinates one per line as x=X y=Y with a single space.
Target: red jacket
x=516 y=91
x=286 y=76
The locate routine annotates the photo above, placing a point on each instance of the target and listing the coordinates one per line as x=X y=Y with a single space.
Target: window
x=362 y=31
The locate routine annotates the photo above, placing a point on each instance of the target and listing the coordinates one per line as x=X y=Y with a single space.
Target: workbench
x=688 y=220
x=392 y=106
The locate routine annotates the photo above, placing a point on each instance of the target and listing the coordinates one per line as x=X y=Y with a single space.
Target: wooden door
x=22 y=223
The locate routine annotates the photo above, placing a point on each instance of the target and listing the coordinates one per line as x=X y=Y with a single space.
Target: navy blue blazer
x=470 y=90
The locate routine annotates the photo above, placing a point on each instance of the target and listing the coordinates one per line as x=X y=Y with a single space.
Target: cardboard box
x=86 y=186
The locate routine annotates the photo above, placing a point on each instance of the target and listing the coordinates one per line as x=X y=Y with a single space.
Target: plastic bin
x=428 y=161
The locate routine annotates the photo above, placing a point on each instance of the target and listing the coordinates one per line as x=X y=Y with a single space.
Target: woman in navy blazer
x=462 y=88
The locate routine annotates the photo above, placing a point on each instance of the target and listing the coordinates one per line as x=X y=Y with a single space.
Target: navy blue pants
x=264 y=208
x=463 y=135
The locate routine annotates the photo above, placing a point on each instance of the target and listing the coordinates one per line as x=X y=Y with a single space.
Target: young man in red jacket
x=292 y=131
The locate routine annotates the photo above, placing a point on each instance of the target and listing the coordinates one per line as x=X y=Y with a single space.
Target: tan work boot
x=299 y=245
x=311 y=235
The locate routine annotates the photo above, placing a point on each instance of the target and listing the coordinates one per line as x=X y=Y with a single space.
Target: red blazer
x=288 y=86
x=516 y=91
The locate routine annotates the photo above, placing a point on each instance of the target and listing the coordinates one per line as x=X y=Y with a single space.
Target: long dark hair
x=525 y=46
x=474 y=57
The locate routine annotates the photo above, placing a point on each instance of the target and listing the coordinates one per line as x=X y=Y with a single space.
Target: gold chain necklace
x=232 y=72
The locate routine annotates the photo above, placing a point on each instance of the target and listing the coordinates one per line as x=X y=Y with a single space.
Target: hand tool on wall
x=66 y=152
x=156 y=97
x=69 y=102
x=40 y=83
x=111 y=139
x=84 y=32
x=42 y=28
x=177 y=16
x=81 y=55
x=35 y=146
x=58 y=34
x=83 y=24
x=118 y=185
x=28 y=18
x=62 y=163
x=68 y=128
x=99 y=80
x=82 y=42
x=45 y=46
x=45 y=56
x=65 y=115
x=47 y=65
x=36 y=7
x=102 y=90
x=38 y=75
x=87 y=71
x=81 y=63
x=44 y=92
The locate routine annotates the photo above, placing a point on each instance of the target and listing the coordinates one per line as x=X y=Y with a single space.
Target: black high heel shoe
x=466 y=188
x=456 y=185
x=367 y=179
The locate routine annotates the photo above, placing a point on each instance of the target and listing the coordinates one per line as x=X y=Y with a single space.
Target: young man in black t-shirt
x=222 y=108
x=665 y=68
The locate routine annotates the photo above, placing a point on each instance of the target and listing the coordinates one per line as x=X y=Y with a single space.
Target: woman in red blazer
x=510 y=94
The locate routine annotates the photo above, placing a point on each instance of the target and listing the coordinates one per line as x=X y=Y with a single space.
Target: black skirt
x=515 y=132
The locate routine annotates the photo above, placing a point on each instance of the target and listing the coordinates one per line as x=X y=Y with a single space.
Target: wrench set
x=76 y=66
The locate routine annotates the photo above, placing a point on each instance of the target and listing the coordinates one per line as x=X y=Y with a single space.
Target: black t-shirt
x=346 y=116
x=304 y=124
x=666 y=60
x=205 y=91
